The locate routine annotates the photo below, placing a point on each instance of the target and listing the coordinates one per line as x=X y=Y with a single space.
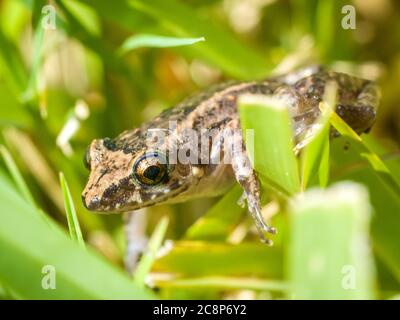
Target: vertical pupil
x=152 y=172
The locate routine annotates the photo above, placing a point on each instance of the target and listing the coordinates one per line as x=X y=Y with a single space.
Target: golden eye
x=150 y=169
x=87 y=159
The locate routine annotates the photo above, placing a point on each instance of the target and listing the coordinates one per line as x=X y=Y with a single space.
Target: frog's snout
x=91 y=203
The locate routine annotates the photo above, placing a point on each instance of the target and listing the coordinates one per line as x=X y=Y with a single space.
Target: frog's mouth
x=136 y=200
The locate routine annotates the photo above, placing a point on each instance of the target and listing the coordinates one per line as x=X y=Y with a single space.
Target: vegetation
x=109 y=66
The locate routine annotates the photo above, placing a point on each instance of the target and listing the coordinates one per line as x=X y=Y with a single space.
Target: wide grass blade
x=222 y=283
x=31 y=247
x=386 y=218
x=155 y=41
x=73 y=222
x=145 y=264
x=328 y=255
x=274 y=158
x=199 y=258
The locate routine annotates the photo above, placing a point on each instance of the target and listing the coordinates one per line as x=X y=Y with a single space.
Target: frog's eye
x=87 y=159
x=150 y=169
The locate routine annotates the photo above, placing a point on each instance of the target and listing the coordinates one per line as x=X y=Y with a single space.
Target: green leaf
x=155 y=41
x=274 y=158
x=12 y=66
x=328 y=253
x=120 y=13
x=221 y=48
x=16 y=175
x=373 y=159
x=223 y=283
x=30 y=245
x=38 y=41
x=73 y=222
x=315 y=154
x=147 y=260
x=219 y=220
x=386 y=218
x=198 y=258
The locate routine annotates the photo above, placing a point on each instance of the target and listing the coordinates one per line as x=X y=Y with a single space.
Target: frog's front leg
x=246 y=177
x=136 y=240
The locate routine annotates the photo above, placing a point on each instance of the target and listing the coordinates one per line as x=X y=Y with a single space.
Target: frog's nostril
x=91 y=203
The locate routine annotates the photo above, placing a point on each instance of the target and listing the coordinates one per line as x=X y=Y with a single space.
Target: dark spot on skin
x=110 y=191
x=103 y=173
x=127 y=149
x=125 y=182
x=110 y=144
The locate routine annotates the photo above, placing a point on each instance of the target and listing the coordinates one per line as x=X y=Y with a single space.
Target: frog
x=133 y=171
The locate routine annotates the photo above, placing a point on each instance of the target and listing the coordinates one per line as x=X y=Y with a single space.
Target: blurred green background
x=61 y=88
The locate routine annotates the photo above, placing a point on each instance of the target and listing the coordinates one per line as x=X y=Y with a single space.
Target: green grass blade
x=274 y=158
x=200 y=259
x=373 y=159
x=315 y=155
x=216 y=224
x=12 y=66
x=386 y=219
x=155 y=41
x=73 y=222
x=220 y=49
x=325 y=26
x=120 y=13
x=30 y=244
x=329 y=255
x=38 y=41
x=16 y=175
x=223 y=283
x=145 y=264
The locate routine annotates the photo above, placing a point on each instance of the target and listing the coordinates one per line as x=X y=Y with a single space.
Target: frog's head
x=127 y=173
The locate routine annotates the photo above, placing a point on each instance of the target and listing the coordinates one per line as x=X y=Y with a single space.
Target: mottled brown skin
x=112 y=188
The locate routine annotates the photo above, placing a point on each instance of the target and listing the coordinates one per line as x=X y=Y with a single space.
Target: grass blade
x=38 y=41
x=73 y=222
x=373 y=159
x=80 y=274
x=220 y=49
x=274 y=158
x=145 y=264
x=328 y=253
x=12 y=66
x=155 y=41
x=16 y=174
x=222 y=283
x=200 y=259
x=216 y=224
x=386 y=219
x=315 y=154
